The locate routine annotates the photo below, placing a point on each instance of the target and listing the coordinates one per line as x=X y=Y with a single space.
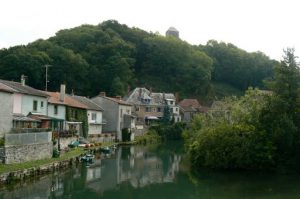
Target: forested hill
x=112 y=57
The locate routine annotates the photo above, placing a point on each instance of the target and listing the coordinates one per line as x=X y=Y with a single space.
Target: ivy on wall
x=78 y=115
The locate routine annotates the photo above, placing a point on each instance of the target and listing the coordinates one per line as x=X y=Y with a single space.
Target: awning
x=43 y=117
x=151 y=118
x=23 y=118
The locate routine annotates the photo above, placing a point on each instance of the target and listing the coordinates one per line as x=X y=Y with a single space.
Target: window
x=42 y=104
x=35 y=105
x=55 y=110
x=158 y=109
x=171 y=102
x=137 y=108
x=94 y=116
x=176 y=109
x=148 y=109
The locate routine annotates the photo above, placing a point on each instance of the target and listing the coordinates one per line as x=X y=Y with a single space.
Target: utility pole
x=46 y=66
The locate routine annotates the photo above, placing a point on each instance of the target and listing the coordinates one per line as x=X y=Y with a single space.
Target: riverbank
x=16 y=172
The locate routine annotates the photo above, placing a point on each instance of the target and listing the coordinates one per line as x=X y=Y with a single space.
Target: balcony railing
x=29 y=130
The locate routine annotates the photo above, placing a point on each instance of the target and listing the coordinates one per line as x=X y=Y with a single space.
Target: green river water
x=152 y=172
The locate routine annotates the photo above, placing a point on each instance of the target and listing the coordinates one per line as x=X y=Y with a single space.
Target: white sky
x=254 y=25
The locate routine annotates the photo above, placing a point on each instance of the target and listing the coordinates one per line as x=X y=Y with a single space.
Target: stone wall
x=64 y=142
x=25 y=153
x=104 y=138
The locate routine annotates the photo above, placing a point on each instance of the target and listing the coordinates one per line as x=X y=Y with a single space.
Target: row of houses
x=25 y=109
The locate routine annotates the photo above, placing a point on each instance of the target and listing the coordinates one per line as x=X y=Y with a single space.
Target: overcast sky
x=254 y=25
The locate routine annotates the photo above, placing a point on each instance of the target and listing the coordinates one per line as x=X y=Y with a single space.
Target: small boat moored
x=88 y=158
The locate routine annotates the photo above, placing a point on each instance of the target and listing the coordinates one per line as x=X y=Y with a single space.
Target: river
x=160 y=171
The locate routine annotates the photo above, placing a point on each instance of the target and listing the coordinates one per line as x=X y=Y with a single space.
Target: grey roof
x=139 y=94
x=19 y=88
x=89 y=103
x=172 y=29
x=5 y=88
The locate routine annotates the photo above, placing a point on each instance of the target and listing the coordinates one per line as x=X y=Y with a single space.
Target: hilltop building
x=172 y=32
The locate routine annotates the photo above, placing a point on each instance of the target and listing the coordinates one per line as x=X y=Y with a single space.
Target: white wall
x=6 y=108
x=95 y=126
x=98 y=117
x=27 y=104
x=61 y=114
x=17 y=98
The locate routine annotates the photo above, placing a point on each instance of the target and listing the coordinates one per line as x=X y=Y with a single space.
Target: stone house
x=189 y=108
x=118 y=114
x=149 y=106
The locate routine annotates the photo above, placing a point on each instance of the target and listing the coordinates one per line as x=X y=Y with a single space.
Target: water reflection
x=135 y=165
x=156 y=172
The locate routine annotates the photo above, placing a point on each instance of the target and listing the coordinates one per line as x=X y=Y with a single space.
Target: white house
x=26 y=100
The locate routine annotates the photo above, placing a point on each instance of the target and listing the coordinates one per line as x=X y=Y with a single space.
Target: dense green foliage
x=78 y=115
x=236 y=67
x=151 y=137
x=112 y=57
x=257 y=131
x=169 y=131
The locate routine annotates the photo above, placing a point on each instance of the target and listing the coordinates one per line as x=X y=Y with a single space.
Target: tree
x=167 y=115
x=280 y=117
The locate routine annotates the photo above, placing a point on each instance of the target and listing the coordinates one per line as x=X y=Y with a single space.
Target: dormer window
x=146 y=101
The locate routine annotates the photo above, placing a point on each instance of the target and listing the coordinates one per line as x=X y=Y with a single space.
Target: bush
x=151 y=137
x=169 y=131
x=232 y=147
x=55 y=153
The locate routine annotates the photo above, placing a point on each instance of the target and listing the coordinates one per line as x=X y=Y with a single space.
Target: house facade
x=118 y=114
x=26 y=101
x=6 y=113
x=149 y=106
x=189 y=108
x=94 y=115
x=28 y=138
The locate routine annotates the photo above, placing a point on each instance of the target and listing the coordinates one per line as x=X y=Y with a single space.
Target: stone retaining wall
x=36 y=171
x=25 y=153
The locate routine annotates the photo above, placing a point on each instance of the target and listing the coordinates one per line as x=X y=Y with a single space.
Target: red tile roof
x=190 y=102
x=69 y=101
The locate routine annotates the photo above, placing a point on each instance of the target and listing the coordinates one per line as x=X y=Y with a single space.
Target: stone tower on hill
x=172 y=32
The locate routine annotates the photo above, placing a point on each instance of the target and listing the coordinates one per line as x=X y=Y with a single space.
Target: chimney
x=128 y=89
x=103 y=94
x=62 y=92
x=118 y=97
x=23 y=80
x=140 y=92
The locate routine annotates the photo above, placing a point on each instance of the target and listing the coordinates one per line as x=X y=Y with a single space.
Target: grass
x=5 y=168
